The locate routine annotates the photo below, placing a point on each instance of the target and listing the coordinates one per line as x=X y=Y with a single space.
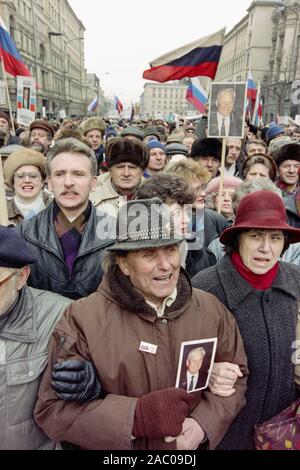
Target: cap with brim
x=144 y=224
x=14 y=252
x=261 y=210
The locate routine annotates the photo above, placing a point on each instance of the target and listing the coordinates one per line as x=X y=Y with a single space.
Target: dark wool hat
x=40 y=124
x=144 y=223
x=206 y=148
x=176 y=149
x=155 y=144
x=133 y=131
x=121 y=150
x=151 y=131
x=14 y=252
x=288 y=152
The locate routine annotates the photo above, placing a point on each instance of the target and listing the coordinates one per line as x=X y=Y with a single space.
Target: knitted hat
x=40 y=124
x=288 y=152
x=121 y=150
x=14 y=252
x=176 y=149
x=206 y=148
x=261 y=210
x=274 y=131
x=25 y=156
x=93 y=124
x=133 y=131
x=155 y=144
x=111 y=132
x=155 y=227
x=230 y=182
x=5 y=116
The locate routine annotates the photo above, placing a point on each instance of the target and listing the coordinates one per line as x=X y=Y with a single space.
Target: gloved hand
x=76 y=381
x=161 y=413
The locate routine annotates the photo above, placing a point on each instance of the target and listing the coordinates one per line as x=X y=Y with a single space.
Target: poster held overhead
x=227 y=110
x=26 y=100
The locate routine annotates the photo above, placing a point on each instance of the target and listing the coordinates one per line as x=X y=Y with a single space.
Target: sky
x=122 y=37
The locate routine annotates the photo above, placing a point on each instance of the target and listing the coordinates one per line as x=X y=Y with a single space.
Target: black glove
x=76 y=381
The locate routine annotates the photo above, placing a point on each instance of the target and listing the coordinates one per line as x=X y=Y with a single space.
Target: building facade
x=284 y=63
x=159 y=100
x=50 y=39
x=248 y=45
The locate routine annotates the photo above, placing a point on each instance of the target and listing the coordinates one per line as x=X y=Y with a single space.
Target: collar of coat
x=118 y=288
x=21 y=325
x=237 y=289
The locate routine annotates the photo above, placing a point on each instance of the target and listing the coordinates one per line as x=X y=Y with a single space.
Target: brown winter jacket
x=107 y=328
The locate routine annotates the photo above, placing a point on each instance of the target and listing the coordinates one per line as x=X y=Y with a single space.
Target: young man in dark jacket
x=69 y=236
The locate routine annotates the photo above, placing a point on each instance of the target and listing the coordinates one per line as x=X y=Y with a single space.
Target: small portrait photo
x=26 y=97
x=227 y=110
x=195 y=364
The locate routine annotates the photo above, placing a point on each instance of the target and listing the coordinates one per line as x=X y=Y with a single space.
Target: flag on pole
x=257 y=113
x=251 y=93
x=92 y=107
x=199 y=58
x=9 y=54
x=196 y=94
x=118 y=104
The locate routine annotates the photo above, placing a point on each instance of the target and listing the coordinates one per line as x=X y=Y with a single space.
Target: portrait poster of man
x=227 y=110
x=26 y=97
x=195 y=364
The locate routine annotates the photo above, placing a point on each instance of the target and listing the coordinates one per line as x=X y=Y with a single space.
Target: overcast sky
x=122 y=37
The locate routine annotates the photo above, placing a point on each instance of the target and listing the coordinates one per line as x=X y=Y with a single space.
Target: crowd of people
x=120 y=249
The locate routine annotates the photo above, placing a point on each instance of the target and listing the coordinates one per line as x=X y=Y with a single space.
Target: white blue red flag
x=118 y=104
x=93 y=105
x=199 y=58
x=196 y=95
x=11 y=57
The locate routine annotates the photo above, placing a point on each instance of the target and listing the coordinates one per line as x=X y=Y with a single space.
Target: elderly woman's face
x=260 y=249
x=28 y=182
x=257 y=171
x=154 y=271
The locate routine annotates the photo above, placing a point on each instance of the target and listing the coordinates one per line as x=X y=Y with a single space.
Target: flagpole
x=222 y=169
x=3 y=205
x=8 y=98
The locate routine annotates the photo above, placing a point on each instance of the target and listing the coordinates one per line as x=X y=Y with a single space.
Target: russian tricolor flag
x=251 y=88
x=12 y=59
x=196 y=95
x=93 y=105
x=199 y=58
x=119 y=105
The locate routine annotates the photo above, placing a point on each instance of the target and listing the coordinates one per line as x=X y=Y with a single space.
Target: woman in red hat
x=262 y=293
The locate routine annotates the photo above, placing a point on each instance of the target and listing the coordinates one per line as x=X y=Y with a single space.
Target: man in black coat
x=222 y=121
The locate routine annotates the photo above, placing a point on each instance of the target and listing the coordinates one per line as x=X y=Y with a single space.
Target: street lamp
x=79 y=38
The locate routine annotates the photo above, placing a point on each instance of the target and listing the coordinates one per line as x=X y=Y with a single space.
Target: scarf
x=69 y=233
x=257 y=281
x=30 y=208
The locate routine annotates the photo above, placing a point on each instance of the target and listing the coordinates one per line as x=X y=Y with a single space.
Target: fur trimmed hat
x=121 y=150
x=206 y=148
x=22 y=157
x=92 y=124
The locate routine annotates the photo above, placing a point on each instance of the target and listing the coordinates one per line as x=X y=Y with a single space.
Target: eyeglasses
x=30 y=174
x=6 y=279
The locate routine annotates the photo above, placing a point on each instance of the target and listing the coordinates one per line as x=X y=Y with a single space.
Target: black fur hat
x=288 y=152
x=122 y=150
x=206 y=148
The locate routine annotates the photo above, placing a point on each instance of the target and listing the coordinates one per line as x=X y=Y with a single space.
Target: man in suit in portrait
x=193 y=379
x=222 y=121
